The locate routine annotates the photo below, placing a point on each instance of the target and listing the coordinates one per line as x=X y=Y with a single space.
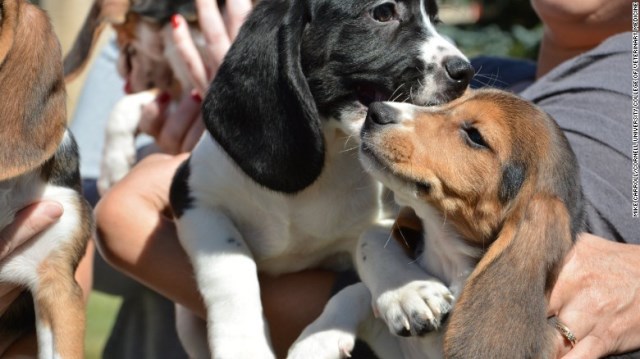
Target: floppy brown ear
x=32 y=94
x=501 y=312
x=102 y=12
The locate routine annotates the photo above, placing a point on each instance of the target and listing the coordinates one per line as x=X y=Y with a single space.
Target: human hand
x=597 y=296
x=219 y=28
x=28 y=223
x=177 y=128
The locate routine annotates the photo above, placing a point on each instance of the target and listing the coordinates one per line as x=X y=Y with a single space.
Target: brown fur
x=519 y=200
x=32 y=112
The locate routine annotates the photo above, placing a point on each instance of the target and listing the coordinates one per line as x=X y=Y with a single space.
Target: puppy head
x=298 y=65
x=32 y=94
x=502 y=173
x=358 y=52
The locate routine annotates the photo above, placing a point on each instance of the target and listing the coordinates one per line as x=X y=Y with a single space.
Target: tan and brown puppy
x=39 y=160
x=494 y=196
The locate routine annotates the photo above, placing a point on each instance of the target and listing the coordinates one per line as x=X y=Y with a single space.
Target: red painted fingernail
x=195 y=95
x=163 y=97
x=128 y=89
x=175 y=21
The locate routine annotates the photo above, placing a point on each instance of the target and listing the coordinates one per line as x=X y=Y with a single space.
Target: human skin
x=597 y=295
x=571 y=27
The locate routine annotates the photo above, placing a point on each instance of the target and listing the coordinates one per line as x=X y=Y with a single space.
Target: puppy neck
x=445 y=254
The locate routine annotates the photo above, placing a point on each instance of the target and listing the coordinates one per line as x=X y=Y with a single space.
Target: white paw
x=329 y=344
x=116 y=163
x=416 y=308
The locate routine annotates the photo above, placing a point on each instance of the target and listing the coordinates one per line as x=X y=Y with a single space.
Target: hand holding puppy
x=597 y=296
x=177 y=128
x=28 y=223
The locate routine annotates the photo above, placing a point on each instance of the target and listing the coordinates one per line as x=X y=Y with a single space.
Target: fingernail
x=175 y=21
x=163 y=98
x=128 y=89
x=195 y=95
x=53 y=210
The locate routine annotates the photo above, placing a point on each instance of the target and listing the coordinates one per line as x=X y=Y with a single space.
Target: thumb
x=28 y=222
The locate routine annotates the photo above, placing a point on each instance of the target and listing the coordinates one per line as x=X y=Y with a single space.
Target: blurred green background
x=501 y=28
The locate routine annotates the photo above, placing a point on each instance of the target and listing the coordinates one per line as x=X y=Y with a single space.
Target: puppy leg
x=192 y=332
x=227 y=278
x=59 y=309
x=404 y=295
x=119 y=153
x=345 y=317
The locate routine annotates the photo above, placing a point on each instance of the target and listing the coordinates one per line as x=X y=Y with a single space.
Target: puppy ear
x=259 y=107
x=32 y=95
x=501 y=312
x=101 y=13
x=8 y=23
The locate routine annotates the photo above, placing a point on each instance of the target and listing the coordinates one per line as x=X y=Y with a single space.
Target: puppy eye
x=385 y=12
x=473 y=137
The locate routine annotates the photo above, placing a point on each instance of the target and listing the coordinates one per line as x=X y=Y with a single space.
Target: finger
x=193 y=136
x=561 y=345
x=188 y=53
x=28 y=222
x=178 y=124
x=236 y=13
x=214 y=32
x=589 y=347
x=153 y=115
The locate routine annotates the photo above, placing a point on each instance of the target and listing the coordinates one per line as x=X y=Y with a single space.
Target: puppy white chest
x=288 y=231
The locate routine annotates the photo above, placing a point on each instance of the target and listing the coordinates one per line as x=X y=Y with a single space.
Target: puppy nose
x=459 y=70
x=381 y=114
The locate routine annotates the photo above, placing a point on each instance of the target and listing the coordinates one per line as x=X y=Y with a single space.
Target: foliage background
x=505 y=28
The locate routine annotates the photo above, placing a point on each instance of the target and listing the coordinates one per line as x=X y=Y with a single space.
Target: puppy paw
x=115 y=165
x=416 y=308
x=329 y=344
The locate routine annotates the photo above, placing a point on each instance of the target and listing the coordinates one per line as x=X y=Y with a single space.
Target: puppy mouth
x=384 y=171
x=367 y=94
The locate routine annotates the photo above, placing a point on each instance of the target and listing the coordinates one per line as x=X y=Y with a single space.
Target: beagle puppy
x=148 y=61
x=493 y=205
x=39 y=161
x=275 y=184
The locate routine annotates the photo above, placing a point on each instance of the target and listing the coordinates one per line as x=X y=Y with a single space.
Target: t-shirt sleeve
x=590 y=98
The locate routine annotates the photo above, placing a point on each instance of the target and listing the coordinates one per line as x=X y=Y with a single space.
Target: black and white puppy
x=275 y=185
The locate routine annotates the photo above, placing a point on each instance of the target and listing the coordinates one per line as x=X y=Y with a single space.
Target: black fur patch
x=63 y=169
x=180 y=194
x=513 y=176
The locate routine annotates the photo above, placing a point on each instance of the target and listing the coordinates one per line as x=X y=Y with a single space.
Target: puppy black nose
x=459 y=70
x=381 y=114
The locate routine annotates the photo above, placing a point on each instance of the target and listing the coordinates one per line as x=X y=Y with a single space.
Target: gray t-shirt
x=590 y=98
